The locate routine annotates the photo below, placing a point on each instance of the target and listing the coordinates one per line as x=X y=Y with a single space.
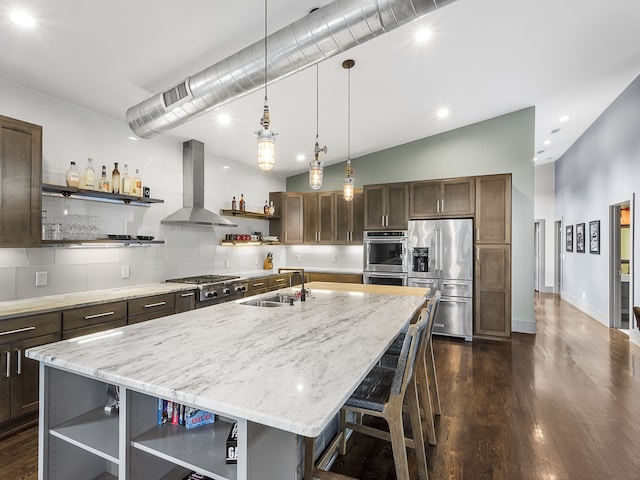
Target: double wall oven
x=386 y=257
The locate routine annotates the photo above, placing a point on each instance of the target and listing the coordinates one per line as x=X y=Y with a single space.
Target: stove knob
x=213 y=294
x=226 y=291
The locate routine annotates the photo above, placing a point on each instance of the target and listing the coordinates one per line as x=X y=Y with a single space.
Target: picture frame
x=594 y=237
x=569 y=238
x=580 y=238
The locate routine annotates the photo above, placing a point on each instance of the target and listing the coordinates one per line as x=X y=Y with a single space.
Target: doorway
x=558 y=249
x=621 y=264
x=538 y=248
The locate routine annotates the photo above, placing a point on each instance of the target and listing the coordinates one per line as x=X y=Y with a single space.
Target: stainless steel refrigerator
x=441 y=257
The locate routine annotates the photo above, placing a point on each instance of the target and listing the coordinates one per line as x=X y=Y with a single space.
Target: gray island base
x=282 y=373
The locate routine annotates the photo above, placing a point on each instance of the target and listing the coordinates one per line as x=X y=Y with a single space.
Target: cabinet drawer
x=185 y=301
x=16 y=329
x=78 y=332
x=257 y=284
x=149 y=316
x=155 y=303
x=85 y=316
x=279 y=281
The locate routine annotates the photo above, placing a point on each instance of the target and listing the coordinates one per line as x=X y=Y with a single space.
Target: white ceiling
x=485 y=58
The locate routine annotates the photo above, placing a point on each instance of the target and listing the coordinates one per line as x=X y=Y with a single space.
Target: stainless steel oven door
x=385 y=278
x=386 y=253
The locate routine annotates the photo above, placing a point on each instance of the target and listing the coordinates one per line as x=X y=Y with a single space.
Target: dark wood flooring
x=563 y=404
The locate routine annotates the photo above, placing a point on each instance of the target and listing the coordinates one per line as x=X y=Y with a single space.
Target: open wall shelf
x=84 y=194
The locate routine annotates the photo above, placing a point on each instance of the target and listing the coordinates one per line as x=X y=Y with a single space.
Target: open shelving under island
x=278 y=372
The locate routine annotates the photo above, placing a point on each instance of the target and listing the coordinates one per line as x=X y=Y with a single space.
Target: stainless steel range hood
x=193 y=212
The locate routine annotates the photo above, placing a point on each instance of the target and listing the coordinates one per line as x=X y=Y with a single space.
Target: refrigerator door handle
x=441 y=250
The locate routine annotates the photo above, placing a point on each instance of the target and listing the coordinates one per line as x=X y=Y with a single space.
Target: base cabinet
x=80 y=440
x=493 y=291
x=185 y=301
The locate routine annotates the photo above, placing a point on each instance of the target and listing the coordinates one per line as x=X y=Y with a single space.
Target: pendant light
x=349 y=181
x=315 y=166
x=266 y=137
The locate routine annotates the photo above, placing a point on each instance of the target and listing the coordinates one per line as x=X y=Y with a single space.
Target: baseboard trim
x=523 y=326
x=596 y=314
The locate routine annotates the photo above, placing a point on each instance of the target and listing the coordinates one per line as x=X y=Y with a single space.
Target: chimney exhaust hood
x=193 y=212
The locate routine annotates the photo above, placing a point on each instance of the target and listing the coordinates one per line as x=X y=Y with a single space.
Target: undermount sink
x=273 y=301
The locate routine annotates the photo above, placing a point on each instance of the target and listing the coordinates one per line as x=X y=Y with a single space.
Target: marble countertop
x=288 y=367
x=264 y=273
x=51 y=303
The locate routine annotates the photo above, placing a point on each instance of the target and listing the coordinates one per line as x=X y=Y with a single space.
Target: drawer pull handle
x=187 y=294
x=441 y=325
x=259 y=284
x=8 y=354
x=17 y=330
x=98 y=315
x=158 y=304
x=19 y=361
x=279 y=280
x=453 y=284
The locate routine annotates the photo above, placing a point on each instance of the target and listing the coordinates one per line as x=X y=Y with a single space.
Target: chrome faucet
x=303 y=292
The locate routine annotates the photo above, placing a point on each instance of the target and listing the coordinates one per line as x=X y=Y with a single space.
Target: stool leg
x=342 y=430
x=424 y=398
x=396 y=430
x=416 y=428
x=433 y=379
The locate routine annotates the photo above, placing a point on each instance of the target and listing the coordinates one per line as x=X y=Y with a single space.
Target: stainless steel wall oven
x=386 y=257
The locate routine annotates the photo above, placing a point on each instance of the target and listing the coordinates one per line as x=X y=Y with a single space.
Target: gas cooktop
x=205 y=279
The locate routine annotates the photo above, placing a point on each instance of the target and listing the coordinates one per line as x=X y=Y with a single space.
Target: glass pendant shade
x=315 y=175
x=347 y=188
x=266 y=149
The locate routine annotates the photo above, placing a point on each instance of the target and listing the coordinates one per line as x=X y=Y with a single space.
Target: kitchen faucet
x=303 y=293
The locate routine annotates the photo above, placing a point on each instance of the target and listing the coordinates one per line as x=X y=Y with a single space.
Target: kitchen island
x=282 y=373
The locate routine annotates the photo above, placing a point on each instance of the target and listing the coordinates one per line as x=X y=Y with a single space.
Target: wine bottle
x=115 y=179
x=89 y=176
x=136 y=187
x=103 y=184
x=266 y=207
x=126 y=181
x=234 y=204
x=242 y=206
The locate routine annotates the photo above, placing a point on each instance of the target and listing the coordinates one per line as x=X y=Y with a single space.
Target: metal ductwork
x=323 y=33
x=193 y=211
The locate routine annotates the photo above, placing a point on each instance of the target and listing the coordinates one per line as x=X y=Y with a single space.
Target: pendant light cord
x=265 y=51
x=317 y=98
x=349 y=117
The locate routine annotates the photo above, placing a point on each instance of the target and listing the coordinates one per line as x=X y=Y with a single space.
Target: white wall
x=73 y=133
x=544 y=209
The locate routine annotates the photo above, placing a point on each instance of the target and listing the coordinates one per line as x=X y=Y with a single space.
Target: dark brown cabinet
x=318 y=216
x=492 y=276
x=349 y=219
x=185 y=301
x=93 y=319
x=20 y=183
x=386 y=206
x=442 y=198
x=148 y=308
x=288 y=226
x=19 y=380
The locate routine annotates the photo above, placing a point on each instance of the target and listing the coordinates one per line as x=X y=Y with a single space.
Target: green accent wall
x=503 y=144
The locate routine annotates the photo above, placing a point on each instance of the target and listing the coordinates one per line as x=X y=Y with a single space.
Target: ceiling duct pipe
x=323 y=33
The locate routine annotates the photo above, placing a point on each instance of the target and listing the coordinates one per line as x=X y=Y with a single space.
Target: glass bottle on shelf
x=89 y=176
x=103 y=185
x=266 y=207
x=272 y=208
x=234 y=204
x=136 y=186
x=242 y=204
x=45 y=226
x=115 y=179
x=73 y=177
x=126 y=181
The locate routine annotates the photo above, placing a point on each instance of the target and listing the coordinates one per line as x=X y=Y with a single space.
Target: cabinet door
x=344 y=219
x=458 y=197
x=493 y=290
x=357 y=225
x=424 y=198
x=20 y=183
x=397 y=206
x=374 y=207
x=326 y=233
x=5 y=382
x=311 y=217
x=493 y=209
x=25 y=376
x=293 y=211
x=185 y=301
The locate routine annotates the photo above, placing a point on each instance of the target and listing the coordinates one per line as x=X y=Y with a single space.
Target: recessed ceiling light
x=564 y=118
x=132 y=138
x=423 y=35
x=302 y=157
x=535 y=159
x=443 y=113
x=547 y=142
x=22 y=18
x=226 y=167
x=224 y=119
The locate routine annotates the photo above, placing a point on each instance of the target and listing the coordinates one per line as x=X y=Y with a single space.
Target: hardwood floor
x=563 y=404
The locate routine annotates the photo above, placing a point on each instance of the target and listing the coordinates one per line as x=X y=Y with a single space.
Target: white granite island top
x=287 y=367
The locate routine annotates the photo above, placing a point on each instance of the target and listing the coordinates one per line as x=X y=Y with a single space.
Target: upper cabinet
x=386 y=206
x=319 y=217
x=289 y=209
x=349 y=219
x=441 y=198
x=493 y=209
x=20 y=180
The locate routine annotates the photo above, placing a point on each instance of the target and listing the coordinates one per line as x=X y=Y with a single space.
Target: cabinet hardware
x=477 y=234
x=438 y=325
x=454 y=301
x=8 y=354
x=437 y=206
x=98 y=315
x=187 y=294
x=259 y=284
x=279 y=280
x=442 y=204
x=17 y=330
x=19 y=361
x=158 y=304
x=453 y=284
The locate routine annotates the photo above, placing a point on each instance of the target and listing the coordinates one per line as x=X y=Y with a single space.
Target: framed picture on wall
x=580 y=238
x=569 y=238
x=594 y=237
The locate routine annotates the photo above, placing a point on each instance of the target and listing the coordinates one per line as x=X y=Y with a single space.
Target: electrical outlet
x=41 y=279
x=125 y=271
x=334 y=258
x=227 y=263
